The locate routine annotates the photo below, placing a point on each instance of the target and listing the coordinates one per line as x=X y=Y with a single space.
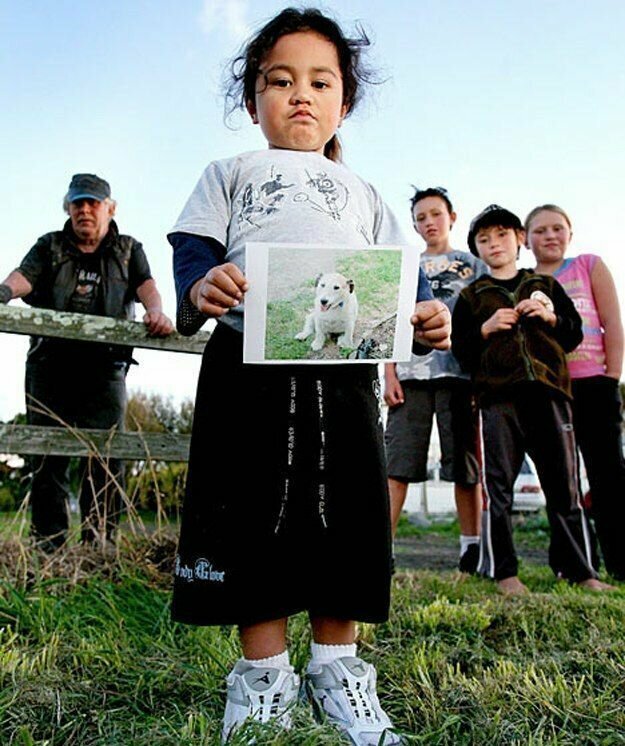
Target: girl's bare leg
x=330 y=631
x=264 y=639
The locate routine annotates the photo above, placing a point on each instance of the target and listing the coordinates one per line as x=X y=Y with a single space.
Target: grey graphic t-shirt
x=87 y=295
x=285 y=196
x=448 y=274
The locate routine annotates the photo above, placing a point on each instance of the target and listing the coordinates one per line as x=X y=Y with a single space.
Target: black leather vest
x=55 y=288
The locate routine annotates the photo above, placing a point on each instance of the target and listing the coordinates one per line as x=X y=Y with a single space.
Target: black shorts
x=409 y=427
x=286 y=505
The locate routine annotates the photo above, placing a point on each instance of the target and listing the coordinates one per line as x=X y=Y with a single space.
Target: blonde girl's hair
x=545 y=208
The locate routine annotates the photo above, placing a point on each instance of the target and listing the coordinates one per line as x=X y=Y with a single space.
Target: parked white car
x=528 y=495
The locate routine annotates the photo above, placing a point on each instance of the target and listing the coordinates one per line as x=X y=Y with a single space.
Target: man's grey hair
x=108 y=201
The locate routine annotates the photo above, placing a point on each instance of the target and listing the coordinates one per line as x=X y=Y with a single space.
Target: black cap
x=88 y=186
x=489 y=217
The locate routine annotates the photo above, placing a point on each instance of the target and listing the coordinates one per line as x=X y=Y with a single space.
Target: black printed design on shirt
x=325 y=194
x=262 y=201
x=448 y=278
x=85 y=298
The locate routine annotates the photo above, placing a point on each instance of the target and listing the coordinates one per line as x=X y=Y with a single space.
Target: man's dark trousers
x=82 y=395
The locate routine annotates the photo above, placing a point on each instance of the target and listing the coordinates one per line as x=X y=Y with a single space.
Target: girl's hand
x=393 y=391
x=220 y=290
x=536 y=309
x=432 y=324
x=502 y=320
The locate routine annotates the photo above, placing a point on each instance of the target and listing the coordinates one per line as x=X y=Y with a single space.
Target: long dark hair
x=244 y=69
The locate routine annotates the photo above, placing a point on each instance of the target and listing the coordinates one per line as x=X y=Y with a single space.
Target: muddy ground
x=153 y=554
x=431 y=551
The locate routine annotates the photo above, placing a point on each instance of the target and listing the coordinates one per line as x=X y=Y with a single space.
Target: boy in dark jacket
x=510 y=331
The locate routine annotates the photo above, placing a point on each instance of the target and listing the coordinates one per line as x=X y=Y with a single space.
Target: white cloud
x=227 y=16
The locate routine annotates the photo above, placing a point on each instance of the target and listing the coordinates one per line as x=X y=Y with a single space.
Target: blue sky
x=518 y=103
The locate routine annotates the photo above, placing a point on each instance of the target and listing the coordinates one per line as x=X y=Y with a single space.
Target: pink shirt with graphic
x=575 y=277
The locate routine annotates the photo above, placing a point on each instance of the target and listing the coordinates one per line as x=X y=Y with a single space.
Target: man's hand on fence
x=158 y=324
x=5 y=294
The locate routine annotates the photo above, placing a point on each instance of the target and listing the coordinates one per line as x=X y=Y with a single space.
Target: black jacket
x=51 y=267
x=532 y=351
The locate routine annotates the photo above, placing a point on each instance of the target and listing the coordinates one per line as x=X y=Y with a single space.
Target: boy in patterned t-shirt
x=434 y=385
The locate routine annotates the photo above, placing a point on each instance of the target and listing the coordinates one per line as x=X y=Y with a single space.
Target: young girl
x=595 y=368
x=417 y=390
x=286 y=508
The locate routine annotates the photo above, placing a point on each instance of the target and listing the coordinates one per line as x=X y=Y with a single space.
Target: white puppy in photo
x=335 y=311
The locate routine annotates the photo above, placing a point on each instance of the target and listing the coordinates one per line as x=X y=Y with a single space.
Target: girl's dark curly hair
x=245 y=67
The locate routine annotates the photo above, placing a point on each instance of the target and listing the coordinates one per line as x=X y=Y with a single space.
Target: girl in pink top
x=595 y=368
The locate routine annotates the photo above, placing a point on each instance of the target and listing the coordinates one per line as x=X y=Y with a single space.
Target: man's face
x=90 y=219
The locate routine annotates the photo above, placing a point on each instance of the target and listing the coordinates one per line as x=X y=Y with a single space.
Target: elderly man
x=88 y=267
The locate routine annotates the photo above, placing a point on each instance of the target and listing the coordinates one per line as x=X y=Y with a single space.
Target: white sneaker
x=259 y=694
x=343 y=692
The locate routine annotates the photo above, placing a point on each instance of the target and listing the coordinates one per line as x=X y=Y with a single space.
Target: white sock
x=466 y=541
x=328 y=653
x=280 y=661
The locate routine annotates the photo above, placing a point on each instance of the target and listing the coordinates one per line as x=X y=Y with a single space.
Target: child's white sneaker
x=343 y=692
x=260 y=694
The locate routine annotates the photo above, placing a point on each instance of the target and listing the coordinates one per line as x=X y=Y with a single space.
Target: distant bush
x=151 y=485
x=13 y=475
x=154 y=413
x=157 y=485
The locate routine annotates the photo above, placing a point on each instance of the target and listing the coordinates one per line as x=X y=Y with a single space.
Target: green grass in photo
x=284 y=320
x=377 y=274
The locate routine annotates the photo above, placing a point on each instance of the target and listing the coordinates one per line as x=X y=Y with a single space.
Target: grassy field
x=88 y=655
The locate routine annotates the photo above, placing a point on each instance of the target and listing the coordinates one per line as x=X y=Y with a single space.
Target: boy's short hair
x=493 y=215
x=420 y=194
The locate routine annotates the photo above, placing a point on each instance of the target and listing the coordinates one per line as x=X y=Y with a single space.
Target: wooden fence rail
x=67 y=441
x=81 y=326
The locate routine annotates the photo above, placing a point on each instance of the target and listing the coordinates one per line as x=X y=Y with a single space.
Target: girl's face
x=432 y=220
x=549 y=235
x=299 y=93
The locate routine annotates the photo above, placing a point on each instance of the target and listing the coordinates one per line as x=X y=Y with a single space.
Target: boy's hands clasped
x=537 y=309
x=505 y=319
x=502 y=320
x=221 y=289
